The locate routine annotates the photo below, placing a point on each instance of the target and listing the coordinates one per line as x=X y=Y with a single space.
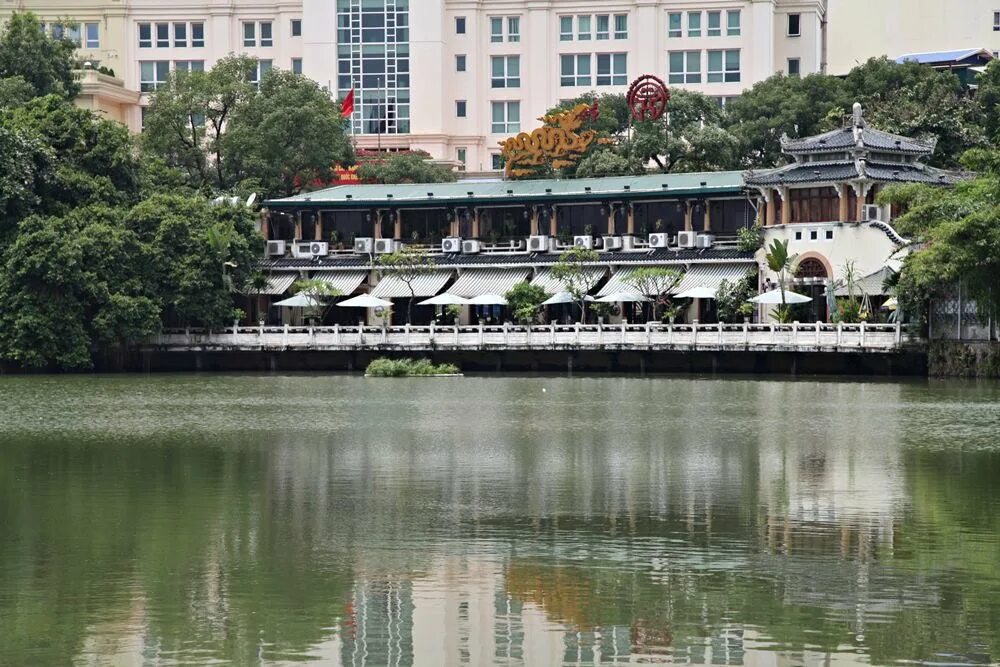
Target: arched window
x=810 y=268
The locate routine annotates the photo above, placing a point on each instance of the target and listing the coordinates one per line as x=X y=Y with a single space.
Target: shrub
x=395 y=368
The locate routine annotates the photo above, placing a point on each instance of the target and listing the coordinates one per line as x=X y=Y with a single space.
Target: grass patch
x=398 y=368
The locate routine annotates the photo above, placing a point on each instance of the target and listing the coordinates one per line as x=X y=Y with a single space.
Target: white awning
x=278 y=283
x=551 y=285
x=618 y=282
x=711 y=275
x=476 y=282
x=345 y=282
x=391 y=286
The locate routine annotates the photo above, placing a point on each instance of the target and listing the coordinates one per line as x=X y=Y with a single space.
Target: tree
x=732 y=298
x=656 y=283
x=405 y=168
x=45 y=64
x=988 y=99
x=573 y=270
x=605 y=162
x=780 y=262
x=322 y=294
x=524 y=299
x=407 y=264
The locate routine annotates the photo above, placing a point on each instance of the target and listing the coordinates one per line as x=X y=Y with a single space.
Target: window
x=461 y=154
x=694 y=24
x=612 y=69
x=460 y=63
x=162 y=35
x=798 y=235
x=496 y=29
x=506 y=117
x=69 y=32
x=996 y=21
x=496 y=161
x=142 y=117
x=505 y=72
x=263 y=67
x=621 y=26
x=266 y=38
x=721 y=101
x=460 y=108
x=513 y=28
x=180 y=34
x=189 y=65
x=723 y=66
x=794 y=25
x=685 y=67
x=92 y=33
x=793 y=67
x=733 y=23
x=296 y=27
x=603 y=27
x=153 y=74
x=145 y=36
x=714 y=25
x=565 y=28
x=829 y=235
x=583 y=28
x=813 y=234
x=459 y=25
x=674 y=25
x=297 y=65
x=249 y=34
x=575 y=70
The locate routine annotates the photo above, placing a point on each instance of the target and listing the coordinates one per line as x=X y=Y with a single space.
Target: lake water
x=280 y=519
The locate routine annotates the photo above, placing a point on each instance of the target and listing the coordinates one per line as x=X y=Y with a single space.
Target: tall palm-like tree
x=780 y=262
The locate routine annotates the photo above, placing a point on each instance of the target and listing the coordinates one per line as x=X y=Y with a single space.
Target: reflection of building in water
x=378 y=629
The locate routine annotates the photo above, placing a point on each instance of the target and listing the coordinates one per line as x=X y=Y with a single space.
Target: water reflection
x=187 y=520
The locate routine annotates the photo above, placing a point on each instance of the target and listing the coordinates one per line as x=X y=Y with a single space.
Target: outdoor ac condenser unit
x=319 y=248
x=275 y=248
x=386 y=246
x=628 y=242
x=471 y=247
x=539 y=243
x=687 y=239
x=871 y=212
x=302 y=250
x=704 y=240
x=583 y=242
x=658 y=240
x=364 y=245
x=612 y=243
x=451 y=245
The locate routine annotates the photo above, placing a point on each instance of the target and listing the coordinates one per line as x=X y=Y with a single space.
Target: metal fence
x=957 y=317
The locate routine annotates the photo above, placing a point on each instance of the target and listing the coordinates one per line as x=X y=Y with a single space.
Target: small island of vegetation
x=396 y=368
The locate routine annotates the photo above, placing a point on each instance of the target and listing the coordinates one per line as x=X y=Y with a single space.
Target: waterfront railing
x=823 y=337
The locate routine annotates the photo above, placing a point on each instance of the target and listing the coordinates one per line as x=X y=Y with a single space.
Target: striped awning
x=618 y=282
x=551 y=285
x=391 y=286
x=345 y=282
x=279 y=283
x=476 y=282
x=712 y=275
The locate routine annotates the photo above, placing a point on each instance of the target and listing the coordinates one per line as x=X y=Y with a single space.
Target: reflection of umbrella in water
x=773 y=298
x=365 y=301
x=564 y=297
x=299 y=301
x=444 y=300
x=488 y=300
x=700 y=292
x=623 y=297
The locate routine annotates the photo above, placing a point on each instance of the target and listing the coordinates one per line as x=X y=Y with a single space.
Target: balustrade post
x=361 y=334
x=817 y=333
x=624 y=329
x=649 y=334
x=385 y=333
x=406 y=333
x=336 y=334
x=795 y=333
x=236 y=324
x=719 y=327
x=430 y=336
x=506 y=338
x=772 y=333
x=899 y=333
x=862 y=333
x=260 y=328
x=840 y=334
x=694 y=333
x=576 y=334
x=746 y=334
x=456 y=333
x=552 y=329
x=600 y=334
x=284 y=336
x=312 y=335
x=530 y=336
x=481 y=334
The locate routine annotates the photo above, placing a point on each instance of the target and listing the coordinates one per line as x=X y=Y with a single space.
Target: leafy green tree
x=15 y=91
x=655 y=282
x=321 y=292
x=781 y=263
x=988 y=99
x=613 y=117
x=573 y=270
x=524 y=300
x=606 y=162
x=731 y=298
x=406 y=168
x=407 y=264
x=45 y=64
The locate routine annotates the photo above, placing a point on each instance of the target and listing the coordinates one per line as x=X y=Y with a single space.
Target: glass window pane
x=180 y=34
x=583 y=27
x=197 y=34
x=496 y=29
x=163 y=35
x=513 y=29
x=93 y=36
x=675 y=25
x=265 y=34
x=694 y=24
x=249 y=34
x=514 y=66
x=145 y=35
x=566 y=65
x=714 y=24
x=565 y=28
x=603 y=26
x=497 y=112
x=733 y=22
x=297 y=65
x=621 y=26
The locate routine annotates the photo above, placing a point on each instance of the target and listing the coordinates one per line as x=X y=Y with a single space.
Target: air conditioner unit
x=658 y=240
x=302 y=250
x=319 y=248
x=386 y=246
x=704 y=241
x=612 y=243
x=364 y=245
x=451 y=245
x=687 y=239
x=275 y=248
x=628 y=242
x=871 y=212
x=471 y=247
x=540 y=243
x=583 y=242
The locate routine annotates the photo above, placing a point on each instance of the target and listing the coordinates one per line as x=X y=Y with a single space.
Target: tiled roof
x=466 y=193
x=825 y=172
x=843 y=139
x=943 y=57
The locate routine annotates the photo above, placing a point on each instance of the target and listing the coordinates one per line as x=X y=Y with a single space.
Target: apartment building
x=862 y=29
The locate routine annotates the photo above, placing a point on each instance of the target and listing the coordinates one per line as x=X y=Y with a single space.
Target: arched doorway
x=810 y=279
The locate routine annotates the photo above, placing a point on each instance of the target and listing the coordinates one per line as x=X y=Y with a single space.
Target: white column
x=319 y=43
x=759 y=62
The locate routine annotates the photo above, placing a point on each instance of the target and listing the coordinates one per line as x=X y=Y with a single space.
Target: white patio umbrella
x=299 y=301
x=444 y=300
x=774 y=298
x=365 y=301
x=623 y=297
x=700 y=292
x=487 y=300
x=563 y=297
x=891 y=303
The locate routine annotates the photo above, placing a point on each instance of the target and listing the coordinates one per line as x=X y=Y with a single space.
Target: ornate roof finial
x=858 y=118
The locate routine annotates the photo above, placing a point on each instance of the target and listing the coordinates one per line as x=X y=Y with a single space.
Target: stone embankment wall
x=958 y=359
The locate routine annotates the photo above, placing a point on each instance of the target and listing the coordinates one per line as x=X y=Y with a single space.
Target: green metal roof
x=411 y=195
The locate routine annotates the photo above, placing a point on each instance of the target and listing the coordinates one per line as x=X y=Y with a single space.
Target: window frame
x=581 y=35
x=269 y=39
x=89 y=43
x=496 y=29
x=197 y=28
x=798 y=67
x=295 y=27
x=564 y=35
x=180 y=42
x=461 y=108
x=575 y=79
x=505 y=125
x=153 y=84
x=612 y=77
x=623 y=33
x=694 y=24
x=513 y=29
x=249 y=34
x=798 y=26
x=164 y=42
x=297 y=65
x=715 y=31
x=731 y=30
x=599 y=34
x=505 y=80
x=462 y=155
x=148 y=27
x=686 y=74
x=461 y=62
x=460 y=25
x=672 y=32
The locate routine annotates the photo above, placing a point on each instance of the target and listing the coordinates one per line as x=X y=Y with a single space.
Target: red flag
x=347 y=106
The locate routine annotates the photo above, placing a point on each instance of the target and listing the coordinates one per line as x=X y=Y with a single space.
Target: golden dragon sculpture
x=556 y=142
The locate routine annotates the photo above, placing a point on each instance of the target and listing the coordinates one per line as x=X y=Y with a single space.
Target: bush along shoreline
x=396 y=368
